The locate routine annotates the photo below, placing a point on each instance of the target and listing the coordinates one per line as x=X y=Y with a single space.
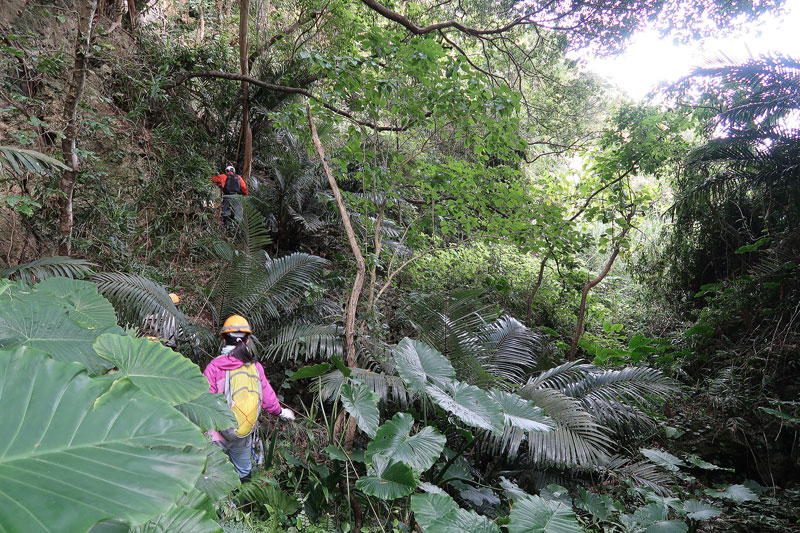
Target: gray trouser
x=239 y=449
x=231 y=209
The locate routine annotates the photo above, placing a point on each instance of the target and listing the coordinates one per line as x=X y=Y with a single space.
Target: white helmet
x=230 y=169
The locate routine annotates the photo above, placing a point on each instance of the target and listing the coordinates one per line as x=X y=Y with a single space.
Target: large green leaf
x=152 y=367
x=74 y=452
x=521 y=413
x=180 y=520
x=663 y=459
x=417 y=362
x=668 y=526
x=47 y=327
x=86 y=306
x=470 y=404
x=394 y=440
x=387 y=479
x=219 y=477
x=461 y=520
x=697 y=510
x=429 y=507
x=737 y=493
x=208 y=411
x=537 y=515
x=362 y=404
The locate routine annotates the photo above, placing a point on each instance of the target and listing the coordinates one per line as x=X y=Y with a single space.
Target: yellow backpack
x=243 y=392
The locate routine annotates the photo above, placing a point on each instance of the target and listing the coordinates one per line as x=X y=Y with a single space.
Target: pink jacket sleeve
x=269 y=401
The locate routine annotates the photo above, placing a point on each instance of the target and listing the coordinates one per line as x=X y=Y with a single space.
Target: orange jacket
x=222 y=179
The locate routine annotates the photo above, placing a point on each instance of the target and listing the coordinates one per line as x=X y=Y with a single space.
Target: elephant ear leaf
x=470 y=404
x=75 y=452
x=387 y=479
x=208 y=411
x=84 y=304
x=152 y=367
x=40 y=322
x=394 y=440
x=417 y=363
x=361 y=404
x=535 y=514
x=438 y=513
x=180 y=519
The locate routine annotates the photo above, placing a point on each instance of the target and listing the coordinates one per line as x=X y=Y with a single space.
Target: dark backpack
x=232 y=185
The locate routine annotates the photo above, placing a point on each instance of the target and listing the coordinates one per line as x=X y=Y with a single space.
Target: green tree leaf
x=387 y=479
x=75 y=452
x=362 y=404
x=394 y=441
x=208 y=411
x=469 y=404
x=417 y=362
x=152 y=367
x=537 y=515
x=310 y=371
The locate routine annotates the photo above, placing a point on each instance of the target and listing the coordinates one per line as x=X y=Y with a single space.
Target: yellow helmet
x=175 y=298
x=235 y=324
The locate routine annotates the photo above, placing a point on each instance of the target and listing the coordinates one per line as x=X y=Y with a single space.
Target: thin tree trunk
x=201 y=26
x=86 y=16
x=590 y=284
x=378 y=245
x=132 y=13
x=536 y=287
x=358 y=282
x=247 y=160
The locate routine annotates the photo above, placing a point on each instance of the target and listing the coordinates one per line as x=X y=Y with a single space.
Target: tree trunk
x=86 y=15
x=358 y=282
x=536 y=288
x=132 y=13
x=247 y=160
x=201 y=25
x=586 y=288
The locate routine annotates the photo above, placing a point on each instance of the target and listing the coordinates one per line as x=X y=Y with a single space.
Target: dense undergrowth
x=462 y=406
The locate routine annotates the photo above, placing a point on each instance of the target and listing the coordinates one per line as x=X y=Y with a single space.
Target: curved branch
x=417 y=30
x=283 y=89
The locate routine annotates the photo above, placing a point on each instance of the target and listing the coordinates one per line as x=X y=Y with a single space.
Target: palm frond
x=137 y=299
x=510 y=349
x=302 y=342
x=48 y=267
x=253 y=235
x=18 y=161
x=642 y=473
x=388 y=387
x=578 y=440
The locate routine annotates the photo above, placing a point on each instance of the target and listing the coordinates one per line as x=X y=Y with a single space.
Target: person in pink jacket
x=236 y=352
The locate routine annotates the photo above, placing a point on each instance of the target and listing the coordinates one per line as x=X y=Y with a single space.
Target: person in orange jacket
x=230 y=184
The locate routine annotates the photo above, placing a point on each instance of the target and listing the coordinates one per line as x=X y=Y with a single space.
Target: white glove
x=286 y=413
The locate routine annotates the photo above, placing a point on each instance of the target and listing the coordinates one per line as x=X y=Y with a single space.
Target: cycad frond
x=510 y=349
x=578 y=440
x=136 y=299
x=302 y=342
x=48 y=267
x=387 y=386
x=253 y=235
